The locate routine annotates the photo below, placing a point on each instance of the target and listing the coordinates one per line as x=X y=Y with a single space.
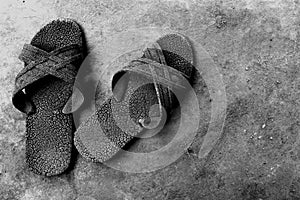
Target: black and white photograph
x=150 y=100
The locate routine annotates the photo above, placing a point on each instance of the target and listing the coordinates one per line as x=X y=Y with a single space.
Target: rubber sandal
x=44 y=91
x=140 y=92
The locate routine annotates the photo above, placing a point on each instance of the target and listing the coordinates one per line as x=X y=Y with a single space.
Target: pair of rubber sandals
x=45 y=86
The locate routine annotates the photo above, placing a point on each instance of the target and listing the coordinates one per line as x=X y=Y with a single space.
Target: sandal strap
x=163 y=74
x=38 y=64
x=156 y=69
x=56 y=63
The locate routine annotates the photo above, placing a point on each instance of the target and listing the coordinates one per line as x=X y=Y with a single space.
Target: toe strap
x=161 y=73
x=38 y=64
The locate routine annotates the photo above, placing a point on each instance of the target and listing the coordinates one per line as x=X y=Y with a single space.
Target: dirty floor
x=255 y=46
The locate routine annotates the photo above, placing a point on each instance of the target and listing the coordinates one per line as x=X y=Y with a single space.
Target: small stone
x=278 y=82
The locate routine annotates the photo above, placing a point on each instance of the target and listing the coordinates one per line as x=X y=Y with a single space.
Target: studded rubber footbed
x=100 y=137
x=48 y=130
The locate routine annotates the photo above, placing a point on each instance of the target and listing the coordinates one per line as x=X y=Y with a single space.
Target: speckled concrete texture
x=254 y=43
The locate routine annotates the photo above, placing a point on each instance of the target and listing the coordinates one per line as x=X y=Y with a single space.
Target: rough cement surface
x=255 y=45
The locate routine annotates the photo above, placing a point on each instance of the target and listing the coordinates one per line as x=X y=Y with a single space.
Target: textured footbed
x=99 y=137
x=48 y=130
x=103 y=146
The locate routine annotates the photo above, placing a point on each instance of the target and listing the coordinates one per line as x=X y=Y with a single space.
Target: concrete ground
x=255 y=46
